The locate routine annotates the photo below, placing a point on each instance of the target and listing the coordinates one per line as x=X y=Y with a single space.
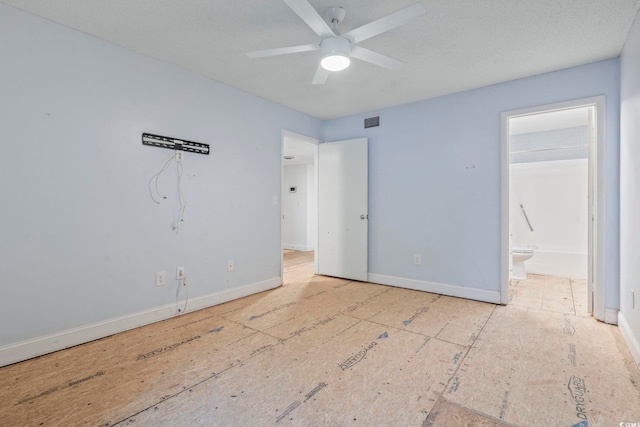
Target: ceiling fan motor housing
x=335 y=46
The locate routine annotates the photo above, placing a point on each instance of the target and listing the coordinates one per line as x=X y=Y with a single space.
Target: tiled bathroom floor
x=548 y=293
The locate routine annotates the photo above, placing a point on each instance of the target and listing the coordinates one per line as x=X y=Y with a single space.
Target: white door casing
x=591 y=214
x=597 y=155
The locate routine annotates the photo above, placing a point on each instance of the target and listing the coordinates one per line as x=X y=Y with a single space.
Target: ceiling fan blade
x=310 y=16
x=321 y=76
x=386 y=23
x=376 y=58
x=283 y=50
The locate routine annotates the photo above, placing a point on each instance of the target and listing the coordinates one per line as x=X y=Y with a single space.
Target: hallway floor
x=322 y=351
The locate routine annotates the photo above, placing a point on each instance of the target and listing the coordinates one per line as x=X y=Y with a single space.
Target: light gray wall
x=630 y=189
x=434 y=177
x=294 y=207
x=80 y=238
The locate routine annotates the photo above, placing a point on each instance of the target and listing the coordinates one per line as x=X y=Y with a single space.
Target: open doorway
x=325 y=203
x=551 y=195
x=299 y=198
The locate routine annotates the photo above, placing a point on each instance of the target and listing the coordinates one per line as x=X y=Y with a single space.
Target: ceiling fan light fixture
x=335 y=53
x=335 y=62
x=336 y=49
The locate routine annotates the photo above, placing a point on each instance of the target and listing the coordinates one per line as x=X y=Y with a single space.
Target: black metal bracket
x=174 y=144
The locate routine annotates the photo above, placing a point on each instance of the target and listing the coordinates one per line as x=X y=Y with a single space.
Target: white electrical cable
x=182 y=203
x=186 y=299
x=155 y=177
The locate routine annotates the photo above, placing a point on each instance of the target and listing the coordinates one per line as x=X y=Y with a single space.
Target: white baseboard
x=558 y=264
x=483 y=295
x=38 y=346
x=632 y=341
x=610 y=316
x=296 y=247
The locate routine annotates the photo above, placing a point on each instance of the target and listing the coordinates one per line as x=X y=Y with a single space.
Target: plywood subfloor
x=326 y=351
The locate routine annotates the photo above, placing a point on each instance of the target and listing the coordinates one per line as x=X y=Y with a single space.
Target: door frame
x=316 y=142
x=597 y=189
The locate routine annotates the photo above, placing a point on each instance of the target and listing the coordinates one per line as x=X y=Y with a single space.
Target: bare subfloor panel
x=325 y=351
x=293 y=258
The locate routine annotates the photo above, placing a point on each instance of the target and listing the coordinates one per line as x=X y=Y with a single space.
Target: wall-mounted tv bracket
x=174 y=144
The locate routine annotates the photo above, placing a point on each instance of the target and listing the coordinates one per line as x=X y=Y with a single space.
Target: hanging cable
x=182 y=203
x=156 y=177
x=180 y=198
x=186 y=299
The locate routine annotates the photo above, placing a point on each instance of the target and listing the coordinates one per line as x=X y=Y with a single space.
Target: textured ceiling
x=458 y=45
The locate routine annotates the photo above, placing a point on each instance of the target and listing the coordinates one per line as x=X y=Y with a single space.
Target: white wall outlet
x=161 y=278
x=275 y=200
x=417 y=259
x=230 y=265
x=179 y=156
x=180 y=273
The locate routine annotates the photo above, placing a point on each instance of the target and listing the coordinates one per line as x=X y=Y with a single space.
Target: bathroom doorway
x=550 y=201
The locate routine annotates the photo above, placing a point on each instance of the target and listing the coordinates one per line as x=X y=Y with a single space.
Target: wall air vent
x=372 y=122
x=174 y=144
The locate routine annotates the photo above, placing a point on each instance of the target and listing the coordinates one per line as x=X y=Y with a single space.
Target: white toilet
x=519 y=254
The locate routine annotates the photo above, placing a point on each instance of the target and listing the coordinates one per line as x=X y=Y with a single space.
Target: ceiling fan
x=337 y=49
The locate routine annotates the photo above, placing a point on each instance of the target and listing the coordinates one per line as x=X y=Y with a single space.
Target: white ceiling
x=458 y=45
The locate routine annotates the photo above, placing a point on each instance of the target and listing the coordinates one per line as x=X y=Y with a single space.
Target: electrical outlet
x=230 y=265
x=180 y=273
x=161 y=278
x=275 y=200
x=179 y=156
x=417 y=259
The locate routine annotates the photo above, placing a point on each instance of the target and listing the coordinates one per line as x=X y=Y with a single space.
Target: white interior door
x=343 y=230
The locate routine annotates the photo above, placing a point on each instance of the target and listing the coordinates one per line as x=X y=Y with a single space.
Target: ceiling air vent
x=372 y=122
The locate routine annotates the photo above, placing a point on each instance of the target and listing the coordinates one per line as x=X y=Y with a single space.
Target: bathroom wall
x=549 y=177
x=554 y=196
